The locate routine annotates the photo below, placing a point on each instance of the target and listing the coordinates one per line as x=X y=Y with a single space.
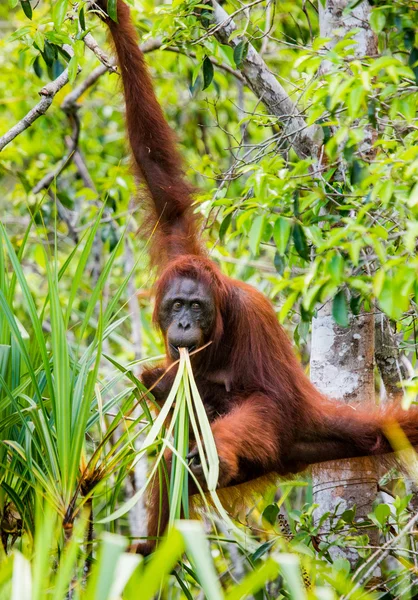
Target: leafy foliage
x=342 y=226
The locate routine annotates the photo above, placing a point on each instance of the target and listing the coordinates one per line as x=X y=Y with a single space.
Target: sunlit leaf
x=281 y=233
x=59 y=12
x=377 y=20
x=256 y=233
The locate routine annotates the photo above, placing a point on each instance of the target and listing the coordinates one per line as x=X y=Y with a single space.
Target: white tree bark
x=335 y=25
x=342 y=365
x=342 y=359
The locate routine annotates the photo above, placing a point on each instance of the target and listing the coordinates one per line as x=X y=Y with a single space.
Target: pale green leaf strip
x=81 y=265
x=20 y=342
x=290 y=568
x=159 y=421
x=244 y=539
x=149 y=440
x=62 y=378
x=207 y=435
x=161 y=564
x=254 y=581
x=197 y=436
x=22 y=578
x=36 y=323
x=104 y=570
x=68 y=560
x=46 y=484
x=178 y=471
x=198 y=552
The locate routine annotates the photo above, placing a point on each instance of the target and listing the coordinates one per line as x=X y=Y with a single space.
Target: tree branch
x=266 y=87
x=70 y=99
x=91 y=43
x=47 y=93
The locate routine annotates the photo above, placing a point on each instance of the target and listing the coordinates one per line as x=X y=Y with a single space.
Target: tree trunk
x=342 y=359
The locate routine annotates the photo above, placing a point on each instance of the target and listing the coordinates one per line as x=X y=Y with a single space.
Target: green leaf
x=371 y=112
x=290 y=568
x=198 y=552
x=355 y=99
x=72 y=69
x=27 y=8
x=40 y=40
x=279 y=263
x=17 y=35
x=340 y=309
x=342 y=565
x=348 y=515
x=224 y=226
x=377 y=20
x=82 y=19
x=105 y=568
x=150 y=579
x=270 y=513
x=413 y=63
x=336 y=268
x=112 y=10
x=240 y=52
x=256 y=233
x=288 y=305
x=355 y=304
x=281 y=234
x=206 y=17
x=358 y=172
x=59 y=11
x=208 y=72
x=382 y=512
x=392 y=300
x=49 y=54
x=254 y=581
x=299 y=239
x=386 y=191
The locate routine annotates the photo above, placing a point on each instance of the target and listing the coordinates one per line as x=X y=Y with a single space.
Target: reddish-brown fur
x=266 y=415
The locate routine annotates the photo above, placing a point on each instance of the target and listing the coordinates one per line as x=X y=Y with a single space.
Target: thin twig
x=374 y=560
x=266 y=86
x=47 y=94
x=213 y=60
